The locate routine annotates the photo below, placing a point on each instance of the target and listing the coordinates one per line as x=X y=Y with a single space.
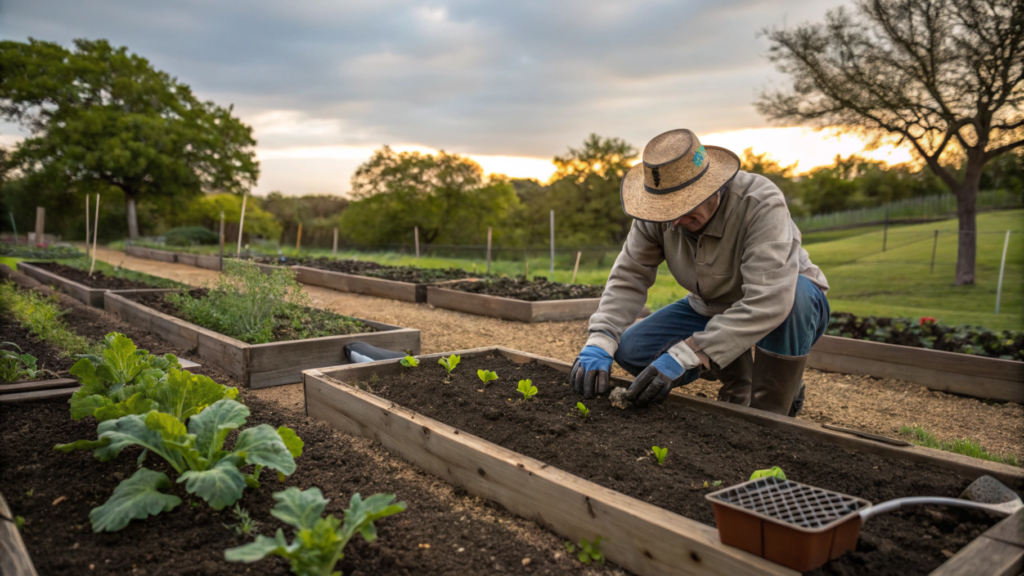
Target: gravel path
x=875 y=405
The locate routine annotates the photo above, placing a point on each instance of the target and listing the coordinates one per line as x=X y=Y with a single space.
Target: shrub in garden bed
x=929 y=333
x=534 y=290
x=254 y=307
x=531 y=409
x=190 y=235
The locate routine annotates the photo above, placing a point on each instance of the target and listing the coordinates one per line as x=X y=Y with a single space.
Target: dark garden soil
x=410 y=274
x=312 y=320
x=98 y=279
x=534 y=290
x=47 y=357
x=612 y=447
x=442 y=532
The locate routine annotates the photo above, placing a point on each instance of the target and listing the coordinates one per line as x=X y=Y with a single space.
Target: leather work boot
x=736 y=380
x=776 y=382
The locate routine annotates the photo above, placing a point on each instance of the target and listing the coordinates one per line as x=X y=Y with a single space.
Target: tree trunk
x=133 y=219
x=967 y=213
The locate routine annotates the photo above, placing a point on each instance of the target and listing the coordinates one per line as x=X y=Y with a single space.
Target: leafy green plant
x=660 y=454
x=409 y=362
x=124 y=380
x=583 y=409
x=19 y=522
x=43 y=318
x=773 y=471
x=196 y=453
x=927 y=332
x=587 y=551
x=450 y=362
x=964 y=446
x=527 y=389
x=319 y=541
x=486 y=376
x=15 y=366
x=245 y=526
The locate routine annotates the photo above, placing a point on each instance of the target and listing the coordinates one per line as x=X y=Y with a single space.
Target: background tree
x=101 y=117
x=604 y=157
x=944 y=76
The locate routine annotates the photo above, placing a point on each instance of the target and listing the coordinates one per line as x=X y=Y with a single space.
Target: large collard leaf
x=135 y=498
x=220 y=486
x=184 y=394
x=291 y=440
x=361 y=514
x=137 y=403
x=263 y=546
x=116 y=435
x=211 y=426
x=299 y=508
x=262 y=445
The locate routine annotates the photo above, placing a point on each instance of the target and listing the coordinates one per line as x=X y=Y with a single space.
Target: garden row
x=199 y=456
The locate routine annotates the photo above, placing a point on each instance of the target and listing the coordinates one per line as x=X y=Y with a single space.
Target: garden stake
x=488 y=249
x=95 y=233
x=1002 y=268
x=221 y=266
x=86 y=224
x=298 y=239
x=334 y=251
x=241 y=222
x=576 y=268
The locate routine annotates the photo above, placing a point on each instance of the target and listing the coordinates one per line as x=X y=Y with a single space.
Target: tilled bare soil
x=97 y=280
x=535 y=290
x=410 y=274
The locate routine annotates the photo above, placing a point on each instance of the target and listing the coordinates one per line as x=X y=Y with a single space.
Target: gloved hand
x=656 y=381
x=591 y=372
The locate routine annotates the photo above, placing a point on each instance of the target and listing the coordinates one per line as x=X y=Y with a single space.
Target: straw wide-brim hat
x=677 y=174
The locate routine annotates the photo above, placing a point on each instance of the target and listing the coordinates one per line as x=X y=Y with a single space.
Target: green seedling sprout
x=660 y=454
x=583 y=409
x=450 y=362
x=486 y=376
x=409 y=362
x=245 y=526
x=527 y=389
x=587 y=551
x=773 y=471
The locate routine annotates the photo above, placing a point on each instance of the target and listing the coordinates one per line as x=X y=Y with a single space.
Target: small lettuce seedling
x=773 y=471
x=660 y=454
x=450 y=362
x=486 y=376
x=527 y=389
x=583 y=409
x=587 y=551
x=409 y=362
x=319 y=541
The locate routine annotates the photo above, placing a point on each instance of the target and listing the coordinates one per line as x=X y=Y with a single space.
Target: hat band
x=680 y=186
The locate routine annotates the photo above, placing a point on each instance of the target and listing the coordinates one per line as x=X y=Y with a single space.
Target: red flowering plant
x=926 y=320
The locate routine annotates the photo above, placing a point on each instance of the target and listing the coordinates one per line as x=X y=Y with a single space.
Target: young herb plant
x=527 y=389
x=773 y=471
x=450 y=362
x=587 y=551
x=409 y=362
x=319 y=541
x=245 y=526
x=660 y=454
x=486 y=376
x=583 y=409
x=15 y=367
x=41 y=315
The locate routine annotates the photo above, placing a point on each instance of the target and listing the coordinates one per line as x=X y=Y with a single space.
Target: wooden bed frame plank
x=403 y=291
x=54 y=395
x=81 y=292
x=37 y=385
x=14 y=558
x=510 y=308
x=997 y=552
x=639 y=536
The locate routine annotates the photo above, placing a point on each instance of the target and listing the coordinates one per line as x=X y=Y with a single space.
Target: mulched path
x=613 y=447
x=97 y=280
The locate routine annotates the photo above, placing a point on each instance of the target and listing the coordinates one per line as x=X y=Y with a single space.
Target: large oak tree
x=944 y=76
x=100 y=116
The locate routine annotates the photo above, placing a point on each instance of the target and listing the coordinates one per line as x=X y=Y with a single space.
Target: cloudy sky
x=509 y=82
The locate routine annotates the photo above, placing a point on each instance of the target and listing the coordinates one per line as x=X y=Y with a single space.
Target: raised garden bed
x=977 y=376
x=77 y=283
x=511 y=308
x=151 y=254
x=405 y=283
x=256 y=365
x=654 y=519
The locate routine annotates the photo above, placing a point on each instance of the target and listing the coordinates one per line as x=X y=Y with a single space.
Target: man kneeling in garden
x=727 y=238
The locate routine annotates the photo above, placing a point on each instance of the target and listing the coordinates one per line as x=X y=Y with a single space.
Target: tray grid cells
x=792 y=502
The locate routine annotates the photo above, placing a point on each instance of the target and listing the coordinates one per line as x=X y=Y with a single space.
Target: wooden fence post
x=40 y=224
x=95 y=234
x=576 y=267
x=935 y=244
x=86 y=226
x=334 y=251
x=488 y=249
x=241 y=222
x=298 y=240
x=1002 y=268
x=221 y=263
x=416 y=239
x=552 y=273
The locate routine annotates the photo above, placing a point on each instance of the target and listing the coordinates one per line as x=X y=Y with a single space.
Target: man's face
x=696 y=219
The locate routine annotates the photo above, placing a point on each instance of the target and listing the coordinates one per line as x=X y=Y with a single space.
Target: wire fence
x=922 y=209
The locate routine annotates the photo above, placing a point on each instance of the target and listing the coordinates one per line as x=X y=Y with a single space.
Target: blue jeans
x=644 y=341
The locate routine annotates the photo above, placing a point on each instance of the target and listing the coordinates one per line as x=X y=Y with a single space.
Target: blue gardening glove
x=591 y=373
x=657 y=380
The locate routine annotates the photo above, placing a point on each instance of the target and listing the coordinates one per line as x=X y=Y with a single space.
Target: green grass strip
x=964 y=446
x=42 y=317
